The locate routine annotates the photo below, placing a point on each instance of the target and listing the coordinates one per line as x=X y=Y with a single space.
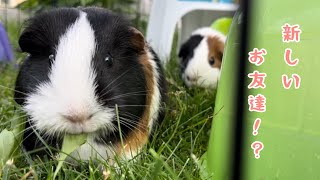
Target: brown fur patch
x=216 y=46
x=139 y=137
x=137 y=40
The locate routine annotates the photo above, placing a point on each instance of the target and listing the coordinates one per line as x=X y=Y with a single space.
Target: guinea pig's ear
x=184 y=51
x=137 y=40
x=188 y=47
x=31 y=43
x=216 y=46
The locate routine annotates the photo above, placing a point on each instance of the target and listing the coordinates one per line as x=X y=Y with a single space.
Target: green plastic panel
x=218 y=155
x=290 y=126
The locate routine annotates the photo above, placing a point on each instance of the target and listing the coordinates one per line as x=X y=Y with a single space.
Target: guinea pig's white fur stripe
x=199 y=67
x=70 y=90
x=156 y=96
x=72 y=72
x=207 y=31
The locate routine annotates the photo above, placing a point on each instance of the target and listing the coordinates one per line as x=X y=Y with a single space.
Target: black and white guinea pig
x=201 y=58
x=83 y=63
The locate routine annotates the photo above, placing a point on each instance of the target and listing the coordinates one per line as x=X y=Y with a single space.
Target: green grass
x=173 y=153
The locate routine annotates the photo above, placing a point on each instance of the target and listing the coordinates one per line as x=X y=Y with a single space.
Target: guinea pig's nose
x=192 y=78
x=77 y=118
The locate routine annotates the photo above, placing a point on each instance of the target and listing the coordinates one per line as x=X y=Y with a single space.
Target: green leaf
x=10 y=140
x=203 y=167
x=70 y=143
x=7 y=145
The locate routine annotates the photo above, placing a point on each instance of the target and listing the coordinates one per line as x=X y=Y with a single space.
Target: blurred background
x=14 y=12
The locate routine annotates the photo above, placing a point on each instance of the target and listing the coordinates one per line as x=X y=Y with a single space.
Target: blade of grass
x=118 y=119
x=166 y=166
x=174 y=131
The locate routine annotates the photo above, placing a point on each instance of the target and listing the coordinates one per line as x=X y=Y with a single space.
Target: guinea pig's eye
x=211 y=61
x=109 y=60
x=51 y=57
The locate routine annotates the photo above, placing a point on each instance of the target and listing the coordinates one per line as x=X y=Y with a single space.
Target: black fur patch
x=187 y=50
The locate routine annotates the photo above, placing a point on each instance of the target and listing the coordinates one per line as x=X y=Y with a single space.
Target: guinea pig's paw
x=127 y=153
x=119 y=163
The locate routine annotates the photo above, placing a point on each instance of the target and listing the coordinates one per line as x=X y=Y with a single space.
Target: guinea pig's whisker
x=125 y=95
x=56 y=131
x=134 y=125
x=139 y=105
x=24 y=130
x=12 y=98
x=104 y=93
x=132 y=120
x=127 y=120
x=7 y=122
x=132 y=128
x=108 y=128
x=126 y=125
x=133 y=105
x=34 y=132
x=129 y=93
x=38 y=81
x=17 y=125
x=132 y=115
x=113 y=127
x=53 y=131
x=123 y=57
x=31 y=127
x=14 y=90
x=47 y=136
x=115 y=81
x=42 y=133
x=120 y=76
x=23 y=138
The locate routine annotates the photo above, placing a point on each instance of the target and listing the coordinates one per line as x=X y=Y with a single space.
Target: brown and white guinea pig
x=81 y=63
x=201 y=58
